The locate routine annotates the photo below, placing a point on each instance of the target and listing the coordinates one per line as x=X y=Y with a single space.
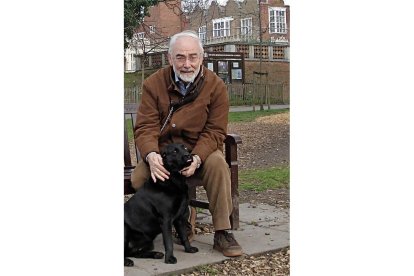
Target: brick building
x=234 y=48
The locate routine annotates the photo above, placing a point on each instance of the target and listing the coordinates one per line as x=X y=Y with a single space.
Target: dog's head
x=176 y=157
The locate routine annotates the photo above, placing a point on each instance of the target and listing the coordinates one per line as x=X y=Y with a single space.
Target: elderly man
x=187 y=103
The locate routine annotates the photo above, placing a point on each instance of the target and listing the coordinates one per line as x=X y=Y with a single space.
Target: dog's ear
x=165 y=150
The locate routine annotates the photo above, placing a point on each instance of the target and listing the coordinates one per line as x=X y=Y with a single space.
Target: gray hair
x=187 y=33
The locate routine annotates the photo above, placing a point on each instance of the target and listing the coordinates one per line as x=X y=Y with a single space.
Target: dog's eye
x=164 y=154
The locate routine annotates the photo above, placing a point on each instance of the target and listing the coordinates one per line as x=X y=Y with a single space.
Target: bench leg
x=234 y=217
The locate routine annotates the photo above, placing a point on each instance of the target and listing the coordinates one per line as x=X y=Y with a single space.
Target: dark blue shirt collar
x=183 y=87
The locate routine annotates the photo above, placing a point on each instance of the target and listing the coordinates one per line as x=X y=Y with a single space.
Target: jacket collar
x=173 y=84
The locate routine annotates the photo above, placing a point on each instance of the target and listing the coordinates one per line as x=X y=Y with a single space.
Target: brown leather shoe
x=226 y=243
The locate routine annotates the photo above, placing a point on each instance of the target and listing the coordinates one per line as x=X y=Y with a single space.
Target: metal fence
x=249 y=94
x=239 y=94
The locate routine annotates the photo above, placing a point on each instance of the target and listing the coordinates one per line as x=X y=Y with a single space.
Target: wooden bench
x=132 y=156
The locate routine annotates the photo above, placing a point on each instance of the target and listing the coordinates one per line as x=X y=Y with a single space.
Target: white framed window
x=202 y=32
x=277 y=20
x=221 y=27
x=246 y=26
x=152 y=29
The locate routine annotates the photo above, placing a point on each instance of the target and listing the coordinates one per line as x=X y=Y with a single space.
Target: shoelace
x=229 y=237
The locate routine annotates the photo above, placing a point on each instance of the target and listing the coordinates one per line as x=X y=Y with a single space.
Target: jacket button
x=173 y=125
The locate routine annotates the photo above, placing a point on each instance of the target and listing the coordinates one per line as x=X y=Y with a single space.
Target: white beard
x=186 y=78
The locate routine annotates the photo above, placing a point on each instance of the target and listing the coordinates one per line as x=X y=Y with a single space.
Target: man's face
x=186 y=58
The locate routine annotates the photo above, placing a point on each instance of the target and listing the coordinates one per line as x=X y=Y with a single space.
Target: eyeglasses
x=193 y=58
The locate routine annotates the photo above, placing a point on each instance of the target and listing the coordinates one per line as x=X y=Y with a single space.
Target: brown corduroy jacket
x=201 y=124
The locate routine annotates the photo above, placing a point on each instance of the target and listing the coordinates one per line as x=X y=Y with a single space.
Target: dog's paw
x=171 y=260
x=158 y=255
x=128 y=262
x=191 y=249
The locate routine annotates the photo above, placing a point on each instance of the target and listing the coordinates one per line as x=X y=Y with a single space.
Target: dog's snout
x=188 y=156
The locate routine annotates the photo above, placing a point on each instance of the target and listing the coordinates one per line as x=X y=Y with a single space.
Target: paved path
x=263 y=228
x=250 y=108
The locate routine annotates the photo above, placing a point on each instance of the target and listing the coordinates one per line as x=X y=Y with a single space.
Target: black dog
x=155 y=207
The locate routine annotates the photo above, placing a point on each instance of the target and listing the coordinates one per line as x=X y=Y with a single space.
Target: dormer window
x=277 y=20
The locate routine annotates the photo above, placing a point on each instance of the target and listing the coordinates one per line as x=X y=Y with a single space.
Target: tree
x=134 y=13
x=147 y=42
x=139 y=36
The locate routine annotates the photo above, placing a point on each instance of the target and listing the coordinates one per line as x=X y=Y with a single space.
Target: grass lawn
x=250 y=116
x=264 y=179
x=134 y=79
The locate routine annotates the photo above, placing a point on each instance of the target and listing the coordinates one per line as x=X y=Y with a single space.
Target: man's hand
x=157 y=167
x=189 y=171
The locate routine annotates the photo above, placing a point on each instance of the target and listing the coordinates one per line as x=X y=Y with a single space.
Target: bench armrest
x=230 y=146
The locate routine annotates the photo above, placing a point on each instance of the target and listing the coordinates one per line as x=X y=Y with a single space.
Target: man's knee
x=215 y=166
x=215 y=159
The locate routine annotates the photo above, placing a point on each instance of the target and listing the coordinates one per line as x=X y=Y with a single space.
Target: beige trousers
x=215 y=175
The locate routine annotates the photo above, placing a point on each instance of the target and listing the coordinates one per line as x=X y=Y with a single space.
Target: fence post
x=254 y=97
x=261 y=96
x=268 y=96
